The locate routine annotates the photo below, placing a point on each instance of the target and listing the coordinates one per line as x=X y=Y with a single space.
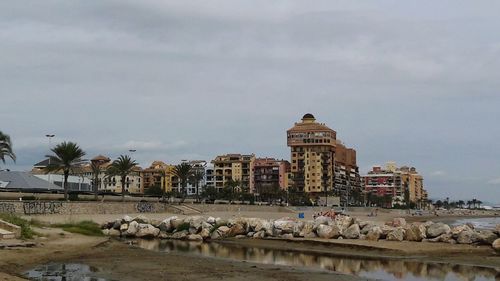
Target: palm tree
x=96 y=171
x=6 y=147
x=232 y=185
x=67 y=157
x=196 y=177
x=122 y=167
x=183 y=171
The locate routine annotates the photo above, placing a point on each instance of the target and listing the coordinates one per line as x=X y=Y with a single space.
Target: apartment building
x=320 y=162
x=156 y=175
x=191 y=188
x=393 y=181
x=236 y=167
x=270 y=173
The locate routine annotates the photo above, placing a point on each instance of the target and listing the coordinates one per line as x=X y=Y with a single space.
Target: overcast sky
x=416 y=82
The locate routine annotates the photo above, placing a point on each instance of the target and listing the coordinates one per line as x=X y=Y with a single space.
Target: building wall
x=237 y=167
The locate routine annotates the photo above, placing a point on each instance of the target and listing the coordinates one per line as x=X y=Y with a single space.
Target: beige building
x=237 y=167
x=320 y=162
x=312 y=155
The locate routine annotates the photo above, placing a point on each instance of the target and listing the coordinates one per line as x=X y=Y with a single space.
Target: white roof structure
x=24 y=181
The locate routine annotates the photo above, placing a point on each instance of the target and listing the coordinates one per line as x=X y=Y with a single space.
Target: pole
x=49 y=136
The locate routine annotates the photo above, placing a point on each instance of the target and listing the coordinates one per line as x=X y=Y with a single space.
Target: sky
x=416 y=82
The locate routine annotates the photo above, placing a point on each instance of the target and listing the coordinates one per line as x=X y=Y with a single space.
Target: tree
x=67 y=157
x=155 y=191
x=209 y=193
x=231 y=185
x=183 y=171
x=6 y=148
x=196 y=177
x=96 y=171
x=122 y=167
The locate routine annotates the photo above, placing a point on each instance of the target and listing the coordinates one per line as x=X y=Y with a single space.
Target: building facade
x=396 y=183
x=320 y=163
x=270 y=173
x=235 y=167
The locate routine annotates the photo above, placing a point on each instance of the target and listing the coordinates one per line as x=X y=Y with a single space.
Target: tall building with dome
x=319 y=161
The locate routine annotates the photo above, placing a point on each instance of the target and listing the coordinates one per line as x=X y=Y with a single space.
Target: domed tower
x=312 y=147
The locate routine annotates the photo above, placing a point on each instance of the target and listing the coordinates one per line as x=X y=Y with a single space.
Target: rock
x=164 y=235
x=236 y=229
x=496 y=245
x=497 y=229
x=397 y=234
x=398 y=222
x=470 y=225
x=259 y=234
x=141 y=219
x=175 y=222
x=386 y=229
x=240 y=236
x=132 y=228
x=285 y=226
x=105 y=231
x=123 y=227
x=220 y=232
x=307 y=229
x=328 y=231
x=322 y=220
x=445 y=238
x=297 y=229
x=195 y=222
x=455 y=231
x=250 y=234
x=374 y=234
x=205 y=233
x=352 y=232
x=438 y=229
x=181 y=235
x=219 y=221
x=126 y=219
x=362 y=224
x=343 y=222
x=486 y=237
x=414 y=232
x=114 y=232
x=265 y=225
x=117 y=224
x=211 y=220
x=155 y=222
x=194 y=237
x=367 y=227
x=287 y=236
x=147 y=231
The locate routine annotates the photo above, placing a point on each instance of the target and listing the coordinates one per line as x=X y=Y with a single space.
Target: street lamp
x=49 y=136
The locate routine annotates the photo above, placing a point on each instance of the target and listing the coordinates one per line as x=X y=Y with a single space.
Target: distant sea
x=481 y=223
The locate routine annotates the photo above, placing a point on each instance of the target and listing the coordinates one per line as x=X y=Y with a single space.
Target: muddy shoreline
x=116 y=260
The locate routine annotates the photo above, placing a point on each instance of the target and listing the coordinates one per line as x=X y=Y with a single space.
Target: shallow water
x=384 y=269
x=63 y=272
x=481 y=223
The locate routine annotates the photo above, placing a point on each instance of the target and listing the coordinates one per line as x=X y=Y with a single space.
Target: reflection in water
x=386 y=269
x=63 y=272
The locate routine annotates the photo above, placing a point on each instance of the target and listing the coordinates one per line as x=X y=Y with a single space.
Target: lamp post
x=49 y=136
x=131 y=156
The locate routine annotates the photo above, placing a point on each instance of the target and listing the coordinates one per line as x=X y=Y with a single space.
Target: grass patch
x=88 y=228
x=26 y=230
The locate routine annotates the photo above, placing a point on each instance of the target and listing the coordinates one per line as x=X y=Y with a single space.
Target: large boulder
x=366 y=227
x=437 y=229
x=343 y=222
x=307 y=230
x=456 y=230
x=114 y=232
x=211 y=220
x=397 y=234
x=414 y=232
x=123 y=227
x=352 y=232
x=141 y=219
x=147 y=231
x=374 y=233
x=398 y=222
x=496 y=245
x=497 y=229
x=265 y=225
x=117 y=224
x=444 y=238
x=166 y=225
x=386 y=229
x=126 y=219
x=322 y=220
x=205 y=233
x=259 y=234
x=297 y=229
x=195 y=222
x=284 y=226
x=194 y=237
x=328 y=231
x=236 y=229
x=132 y=228
x=181 y=235
x=220 y=232
x=486 y=237
x=176 y=222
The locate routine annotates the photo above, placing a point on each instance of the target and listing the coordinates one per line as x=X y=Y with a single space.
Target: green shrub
x=88 y=228
x=26 y=230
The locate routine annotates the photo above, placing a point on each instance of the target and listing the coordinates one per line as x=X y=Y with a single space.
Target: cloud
x=438 y=173
x=494 y=181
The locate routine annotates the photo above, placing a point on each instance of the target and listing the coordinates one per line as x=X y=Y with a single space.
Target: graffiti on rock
x=145 y=207
x=41 y=208
x=7 y=208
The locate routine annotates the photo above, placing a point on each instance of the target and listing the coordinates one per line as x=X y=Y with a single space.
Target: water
x=384 y=269
x=63 y=272
x=481 y=223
